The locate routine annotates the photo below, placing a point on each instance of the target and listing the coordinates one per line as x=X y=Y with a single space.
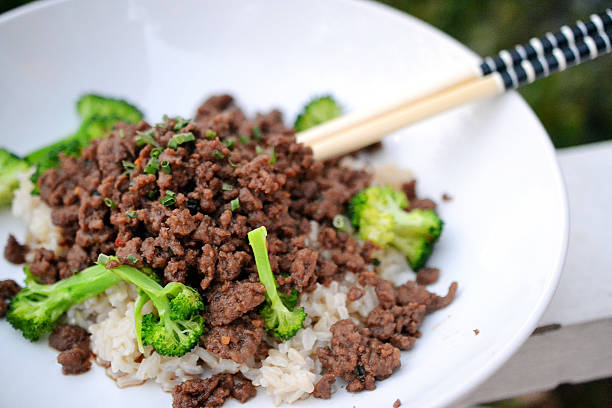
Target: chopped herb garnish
x=153 y=194
x=103 y=259
x=147 y=137
x=128 y=166
x=211 y=134
x=231 y=163
x=165 y=166
x=256 y=133
x=227 y=187
x=121 y=134
x=132 y=181
x=229 y=143
x=133 y=259
x=259 y=150
x=180 y=123
x=218 y=154
x=169 y=199
x=179 y=139
x=235 y=204
x=156 y=152
x=244 y=139
x=170 y=251
x=273 y=157
x=110 y=203
x=340 y=222
x=131 y=214
x=152 y=166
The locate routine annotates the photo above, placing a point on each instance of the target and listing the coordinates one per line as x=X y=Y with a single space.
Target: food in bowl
x=215 y=256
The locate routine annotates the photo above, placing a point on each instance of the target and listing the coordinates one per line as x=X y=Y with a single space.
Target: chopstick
x=539 y=58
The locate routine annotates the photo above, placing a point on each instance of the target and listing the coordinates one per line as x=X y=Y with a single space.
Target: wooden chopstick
x=358 y=130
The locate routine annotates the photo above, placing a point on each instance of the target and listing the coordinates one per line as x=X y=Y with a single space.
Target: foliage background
x=575 y=106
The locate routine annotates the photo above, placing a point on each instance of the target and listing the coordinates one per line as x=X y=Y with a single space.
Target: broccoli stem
x=147 y=285
x=85 y=284
x=257 y=239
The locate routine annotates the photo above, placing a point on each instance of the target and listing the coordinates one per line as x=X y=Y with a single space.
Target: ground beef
x=14 y=252
x=213 y=391
x=73 y=343
x=8 y=289
x=44 y=266
x=427 y=276
x=356 y=357
x=397 y=403
x=238 y=341
x=231 y=300
x=66 y=336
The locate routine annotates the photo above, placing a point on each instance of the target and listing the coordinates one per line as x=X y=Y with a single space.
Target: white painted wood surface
x=581 y=348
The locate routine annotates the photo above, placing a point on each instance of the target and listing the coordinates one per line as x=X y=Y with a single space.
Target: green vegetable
x=128 y=166
x=165 y=166
x=169 y=199
x=131 y=214
x=110 y=203
x=178 y=324
x=36 y=308
x=229 y=143
x=10 y=168
x=235 y=204
x=340 y=222
x=379 y=215
x=211 y=134
x=244 y=139
x=147 y=137
x=152 y=166
x=273 y=157
x=179 y=123
x=227 y=187
x=218 y=154
x=256 y=132
x=133 y=259
x=259 y=150
x=96 y=105
x=282 y=319
x=317 y=111
x=179 y=139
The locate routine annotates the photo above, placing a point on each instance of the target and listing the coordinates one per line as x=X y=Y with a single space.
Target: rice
x=288 y=373
x=40 y=231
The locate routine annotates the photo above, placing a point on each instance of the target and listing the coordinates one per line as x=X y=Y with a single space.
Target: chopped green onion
x=169 y=199
x=170 y=251
x=180 y=123
x=128 y=166
x=131 y=214
x=231 y=163
x=152 y=166
x=165 y=166
x=235 y=204
x=340 y=222
x=103 y=259
x=259 y=150
x=121 y=134
x=156 y=152
x=218 y=154
x=227 y=187
x=133 y=259
x=244 y=139
x=229 y=143
x=110 y=203
x=211 y=134
x=147 y=137
x=153 y=193
x=179 y=139
x=273 y=157
x=256 y=133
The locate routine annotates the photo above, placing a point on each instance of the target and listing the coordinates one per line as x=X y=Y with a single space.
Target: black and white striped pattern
x=553 y=53
x=539 y=48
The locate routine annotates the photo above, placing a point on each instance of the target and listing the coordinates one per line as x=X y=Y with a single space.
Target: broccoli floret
x=317 y=111
x=283 y=320
x=378 y=212
x=36 y=308
x=178 y=324
x=91 y=105
x=142 y=300
x=10 y=168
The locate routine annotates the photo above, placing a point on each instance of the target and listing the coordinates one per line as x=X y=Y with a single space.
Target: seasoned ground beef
x=8 y=289
x=14 y=252
x=213 y=391
x=356 y=357
x=73 y=343
x=238 y=341
x=427 y=276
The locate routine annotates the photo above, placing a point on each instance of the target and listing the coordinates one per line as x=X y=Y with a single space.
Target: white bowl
x=506 y=227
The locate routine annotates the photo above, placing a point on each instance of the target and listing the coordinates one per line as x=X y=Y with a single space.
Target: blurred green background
x=575 y=106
